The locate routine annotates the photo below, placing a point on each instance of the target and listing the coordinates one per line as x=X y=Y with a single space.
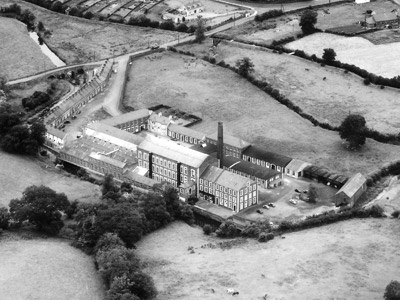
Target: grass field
x=19 y=54
x=46 y=269
x=378 y=59
x=217 y=94
x=350 y=260
x=19 y=172
x=78 y=40
x=383 y=36
x=327 y=100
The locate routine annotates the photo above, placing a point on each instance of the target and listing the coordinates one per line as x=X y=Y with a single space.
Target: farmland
x=77 y=40
x=216 y=94
x=349 y=260
x=46 y=269
x=17 y=47
x=302 y=82
x=378 y=59
x=27 y=171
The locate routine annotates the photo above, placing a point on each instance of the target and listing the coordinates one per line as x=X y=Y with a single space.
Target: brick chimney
x=220 y=145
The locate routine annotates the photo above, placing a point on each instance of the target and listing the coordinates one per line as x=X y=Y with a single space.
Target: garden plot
x=217 y=94
x=46 y=269
x=19 y=54
x=381 y=60
x=349 y=260
x=209 y=5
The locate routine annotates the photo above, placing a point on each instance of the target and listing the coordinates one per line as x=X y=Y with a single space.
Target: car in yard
x=293 y=201
x=271 y=204
x=259 y=211
x=266 y=206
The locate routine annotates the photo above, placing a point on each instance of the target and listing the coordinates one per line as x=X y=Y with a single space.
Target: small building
x=191 y=9
x=134 y=121
x=233 y=146
x=322 y=174
x=295 y=168
x=382 y=20
x=54 y=138
x=227 y=189
x=184 y=134
x=271 y=160
x=265 y=178
x=158 y=124
x=354 y=188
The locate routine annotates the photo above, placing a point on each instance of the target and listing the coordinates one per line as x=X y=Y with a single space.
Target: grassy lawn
x=27 y=171
x=217 y=94
x=350 y=260
x=46 y=269
x=78 y=40
x=19 y=54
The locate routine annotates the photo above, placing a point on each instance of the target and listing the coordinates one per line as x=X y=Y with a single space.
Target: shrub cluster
x=36 y=99
x=283 y=41
x=25 y=16
x=265 y=237
x=268 y=15
x=227 y=229
x=388 y=169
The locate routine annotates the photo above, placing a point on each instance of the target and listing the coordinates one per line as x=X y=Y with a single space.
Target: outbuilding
x=354 y=188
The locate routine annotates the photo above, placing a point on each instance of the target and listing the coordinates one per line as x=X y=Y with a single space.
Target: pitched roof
x=206 y=148
x=225 y=178
x=131 y=116
x=173 y=151
x=140 y=179
x=271 y=157
x=53 y=131
x=382 y=17
x=114 y=135
x=297 y=165
x=352 y=185
x=108 y=160
x=158 y=118
x=230 y=140
x=186 y=131
x=248 y=168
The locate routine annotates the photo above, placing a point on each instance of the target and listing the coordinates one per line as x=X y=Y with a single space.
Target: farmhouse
x=191 y=9
x=231 y=145
x=134 y=121
x=354 y=188
x=295 y=168
x=185 y=134
x=382 y=20
x=173 y=163
x=265 y=178
x=259 y=156
x=227 y=189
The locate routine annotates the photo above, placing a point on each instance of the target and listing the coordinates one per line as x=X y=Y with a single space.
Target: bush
x=270 y=236
x=376 y=211
x=265 y=237
x=108 y=241
x=396 y=214
x=251 y=231
x=207 y=229
x=4 y=218
x=227 y=229
x=392 y=291
x=366 y=81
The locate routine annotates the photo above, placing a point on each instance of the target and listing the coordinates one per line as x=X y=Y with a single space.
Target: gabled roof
x=352 y=185
x=248 y=168
x=186 y=131
x=140 y=179
x=230 y=140
x=173 y=151
x=158 y=118
x=225 y=178
x=297 y=165
x=108 y=160
x=271 y=157
x=131 y=116
x=114 y=135
x=55 y=132
x=382 y=17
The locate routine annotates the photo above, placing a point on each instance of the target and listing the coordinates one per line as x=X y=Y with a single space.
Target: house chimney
x=220 y=145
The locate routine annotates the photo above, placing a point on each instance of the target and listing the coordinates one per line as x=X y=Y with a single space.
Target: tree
x=245 y=66
x=88 y=15
x=40 y=26
x=353 y=129
x=4 y=218
x=108 y=185
x=392 y=291
x=312 y=193
x=38 y=133
x=154 y=208
x=200 y=30
x=307 y=21
x=172 y=202
x=40 y=206
x=227 y=229
x=182 y=27
x=329 y=55
x=108 y=241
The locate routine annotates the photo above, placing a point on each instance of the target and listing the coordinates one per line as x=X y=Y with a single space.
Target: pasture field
x=381 y=60
x=383 y=36
x=77 y=40
x=349 y=260
x=19 y=172
x=302 y=82
x=46 y=269
x=19 y=54
x=217 y=94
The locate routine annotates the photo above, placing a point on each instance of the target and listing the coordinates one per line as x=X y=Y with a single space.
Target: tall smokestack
x=220 y=144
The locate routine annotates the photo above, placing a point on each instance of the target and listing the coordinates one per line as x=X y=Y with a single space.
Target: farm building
x=191 y=9
x=295 y=168
x=158 y=124
x=382 y=20
x=259 y=156
x=173 y=163
x=227 y=189
x=185 y=134
x=231 y=145
x=265 y=178
x=323 y=175
x=134 y=121
x=354 y=188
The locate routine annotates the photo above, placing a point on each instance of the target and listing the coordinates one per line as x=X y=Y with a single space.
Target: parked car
x=259 y=211
x=293 y=201
x=266 y=206
x=271 y=204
